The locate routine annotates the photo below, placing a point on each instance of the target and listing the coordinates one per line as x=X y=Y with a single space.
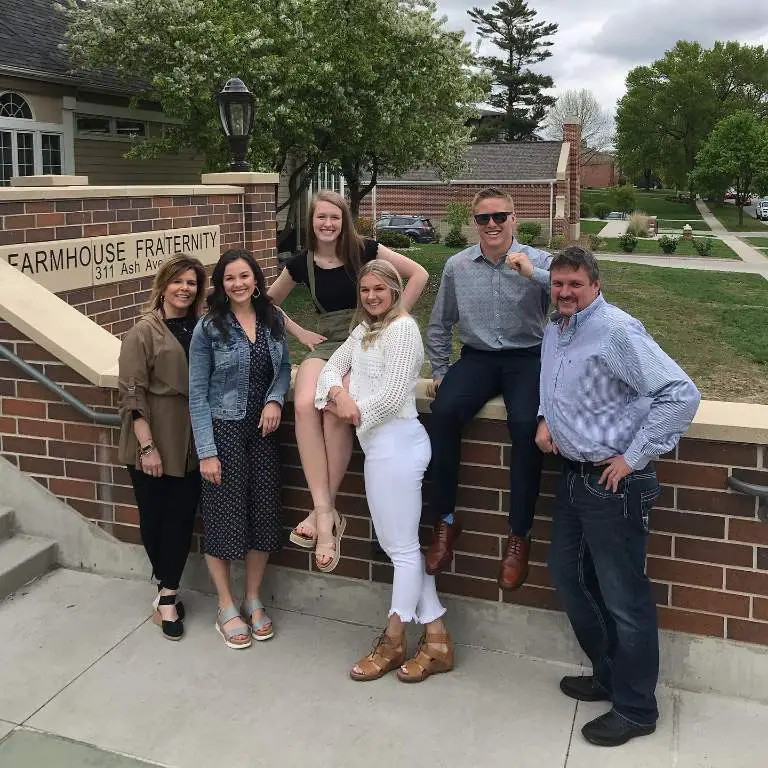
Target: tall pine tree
x=510 y=26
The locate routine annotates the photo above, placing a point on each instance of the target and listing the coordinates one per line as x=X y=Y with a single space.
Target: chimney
x=572 y=134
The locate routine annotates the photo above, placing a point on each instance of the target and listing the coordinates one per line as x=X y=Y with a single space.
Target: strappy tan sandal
x=334 y=552
x=434 y=655
x=300 y=539
x=387 y=654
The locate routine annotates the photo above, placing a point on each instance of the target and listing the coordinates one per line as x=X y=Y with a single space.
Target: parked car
x=418 y=228
x=761 y=209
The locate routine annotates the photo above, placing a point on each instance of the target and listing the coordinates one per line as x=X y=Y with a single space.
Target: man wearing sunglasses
x=498 y=293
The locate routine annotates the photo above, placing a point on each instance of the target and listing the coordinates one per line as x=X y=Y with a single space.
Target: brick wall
x=531 y=200
x=708 y=553
x=572 y=134
x=598 y=174
x=116 y=306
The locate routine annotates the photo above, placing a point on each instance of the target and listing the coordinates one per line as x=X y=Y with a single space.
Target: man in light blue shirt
x=611 y=400
x=497 y=292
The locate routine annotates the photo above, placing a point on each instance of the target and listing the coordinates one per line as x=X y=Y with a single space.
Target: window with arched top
x=14 y=105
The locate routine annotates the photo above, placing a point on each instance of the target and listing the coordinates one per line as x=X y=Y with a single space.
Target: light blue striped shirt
x=607 y=388
x=495 y=306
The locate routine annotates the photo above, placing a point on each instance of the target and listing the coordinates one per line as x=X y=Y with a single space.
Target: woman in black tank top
x=329 y=269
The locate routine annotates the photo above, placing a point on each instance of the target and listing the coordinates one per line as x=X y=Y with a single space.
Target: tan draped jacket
x=154 y=380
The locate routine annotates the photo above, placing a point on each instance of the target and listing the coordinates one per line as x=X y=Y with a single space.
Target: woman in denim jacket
x=239 y=372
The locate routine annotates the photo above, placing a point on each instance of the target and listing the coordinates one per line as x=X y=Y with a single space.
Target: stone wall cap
x=235 y=177
x=49 y=180
x=20 y=194
x=58 y=328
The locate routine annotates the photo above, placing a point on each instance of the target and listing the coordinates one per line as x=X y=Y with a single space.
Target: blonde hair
x=375 y=326
x=349 y=245
x=169 y=270
x=490 y=193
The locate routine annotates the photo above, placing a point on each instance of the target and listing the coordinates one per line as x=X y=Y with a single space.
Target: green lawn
x=758 y=242
x=711 y=323
x=699 y=225
x=654 y=203
x=591 y=226
x=728 y=216
x=684 y=248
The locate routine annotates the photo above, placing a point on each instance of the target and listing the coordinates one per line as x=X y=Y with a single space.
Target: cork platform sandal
x=332 y=551
x=387 y=654
x=302 y=540
x=434 y=655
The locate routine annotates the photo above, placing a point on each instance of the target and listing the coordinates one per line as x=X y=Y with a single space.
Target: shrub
x=364 y=226
x=596 y=243
x=638 y=224
x=528 y=231
x=628 y=242
x=457 y=214
x=557 y=243
x=602 y=210
x=585 y=211
x=622 y=198
x=703 y=245
x=668 y=244
x=394 y=240
x=455 y=238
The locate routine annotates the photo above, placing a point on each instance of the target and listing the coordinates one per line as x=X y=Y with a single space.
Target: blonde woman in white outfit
x=383 y=356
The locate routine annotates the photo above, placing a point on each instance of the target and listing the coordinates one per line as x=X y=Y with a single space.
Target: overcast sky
x=599 y=41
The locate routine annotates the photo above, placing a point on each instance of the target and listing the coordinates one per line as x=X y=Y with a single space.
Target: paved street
x=83 y=670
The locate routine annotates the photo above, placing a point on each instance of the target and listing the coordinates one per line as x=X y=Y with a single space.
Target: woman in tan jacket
x=156 y=434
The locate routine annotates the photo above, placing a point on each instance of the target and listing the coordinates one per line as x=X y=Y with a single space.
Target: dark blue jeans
x=469 y=384
x=597 y=561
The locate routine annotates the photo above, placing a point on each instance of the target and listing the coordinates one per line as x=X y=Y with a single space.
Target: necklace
x=327 y=262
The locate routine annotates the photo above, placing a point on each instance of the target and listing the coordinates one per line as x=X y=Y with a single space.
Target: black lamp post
x=236 y=113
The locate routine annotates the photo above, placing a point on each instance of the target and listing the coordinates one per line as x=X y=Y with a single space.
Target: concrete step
x=22 y=559
x=7 y=523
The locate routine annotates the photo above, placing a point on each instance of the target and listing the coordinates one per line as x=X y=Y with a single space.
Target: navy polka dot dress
x=243 y=513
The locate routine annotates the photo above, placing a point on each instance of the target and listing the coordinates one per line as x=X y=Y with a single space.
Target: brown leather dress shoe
x=514 y=565
x=440 y=551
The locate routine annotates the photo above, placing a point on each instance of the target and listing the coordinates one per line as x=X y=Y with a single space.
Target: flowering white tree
x=597 y=127
x=370 y=85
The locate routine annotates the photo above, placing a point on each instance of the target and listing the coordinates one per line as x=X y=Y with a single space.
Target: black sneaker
x=584 y=689
x=612 y=730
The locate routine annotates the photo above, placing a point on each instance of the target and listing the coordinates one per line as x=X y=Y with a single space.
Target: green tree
x=509 y=25
x=672 y=105
x=622 y=198
x=368 y=86
x=735 y=155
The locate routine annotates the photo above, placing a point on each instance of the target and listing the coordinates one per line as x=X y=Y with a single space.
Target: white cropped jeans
x=396 y=457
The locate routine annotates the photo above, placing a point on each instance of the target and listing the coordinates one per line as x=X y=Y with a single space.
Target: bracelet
x=147 y=449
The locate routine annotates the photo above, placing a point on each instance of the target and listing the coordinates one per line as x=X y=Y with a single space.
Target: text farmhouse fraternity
x=152 y=247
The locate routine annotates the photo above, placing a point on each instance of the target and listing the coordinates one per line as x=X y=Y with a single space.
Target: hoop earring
x=256 y=292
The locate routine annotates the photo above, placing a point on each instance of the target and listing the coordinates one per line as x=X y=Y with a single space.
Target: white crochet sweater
x=383 y=377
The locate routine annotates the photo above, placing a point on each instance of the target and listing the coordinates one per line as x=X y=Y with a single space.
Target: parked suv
x=418 y=228
x=761 y=209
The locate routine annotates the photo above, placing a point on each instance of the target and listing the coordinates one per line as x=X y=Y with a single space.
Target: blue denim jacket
x=219 y=371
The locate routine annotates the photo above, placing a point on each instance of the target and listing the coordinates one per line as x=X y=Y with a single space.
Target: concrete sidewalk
x=83 y=670
x=743 y=250
x=689 y=262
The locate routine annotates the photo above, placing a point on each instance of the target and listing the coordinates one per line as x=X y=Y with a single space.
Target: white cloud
x=599 y=41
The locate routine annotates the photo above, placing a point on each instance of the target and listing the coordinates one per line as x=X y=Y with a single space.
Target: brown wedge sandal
x=434 y=654
x=387 y=654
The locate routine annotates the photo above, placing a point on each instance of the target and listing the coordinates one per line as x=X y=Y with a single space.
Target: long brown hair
x=375 y=326
x=349 y=245
x=169 y=270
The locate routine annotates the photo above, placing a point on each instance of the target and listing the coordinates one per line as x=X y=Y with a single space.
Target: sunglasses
x=499 y=217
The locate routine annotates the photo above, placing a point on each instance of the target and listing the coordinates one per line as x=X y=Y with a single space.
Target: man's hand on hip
x=520 y=263
x=616 y=469
x=433 y=386
x=544 y=440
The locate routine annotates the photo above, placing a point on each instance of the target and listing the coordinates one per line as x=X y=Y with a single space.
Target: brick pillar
x=572 y=134
x=259 y=225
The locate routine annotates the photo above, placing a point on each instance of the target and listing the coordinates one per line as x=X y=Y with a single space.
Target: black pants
x=597 y=562
x=469 y=384
x=167 y=507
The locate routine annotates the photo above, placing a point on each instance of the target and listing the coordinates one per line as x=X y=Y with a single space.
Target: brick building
x=543 y=177
x=599 y=170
